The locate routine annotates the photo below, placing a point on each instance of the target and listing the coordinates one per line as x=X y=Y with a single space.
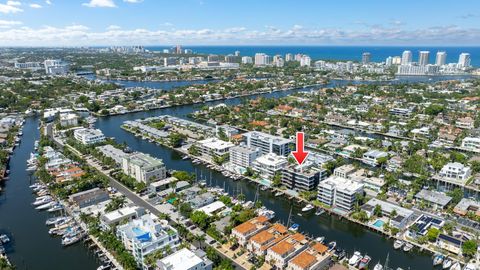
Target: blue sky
x=230 y=22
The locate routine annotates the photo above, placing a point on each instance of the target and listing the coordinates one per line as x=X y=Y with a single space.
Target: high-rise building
x=237 y=53
x=278 y=61
x=366 y=58
x=305 y=61
x=441 y=58
x=423 y=58
x=178 y=49
x=406 y=57
x=397 y=60
x=298 y=57
x=247 y=60
x=262 y=59
x=389 y=61
x=464 y=60
x=289 y=57
x=55 y=67
x=268 y=143
x=212 y=58
x=230 y=59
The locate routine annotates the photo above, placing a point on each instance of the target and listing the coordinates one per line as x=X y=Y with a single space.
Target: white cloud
x=9 y=24
x=48 y=2
x=100 y=3
x=133 y=1
x=79 y=35
x=10 y=7
x=35 y=6
x=113 y=27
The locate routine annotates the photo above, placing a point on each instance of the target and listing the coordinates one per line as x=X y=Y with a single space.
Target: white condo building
x=55 y=67
x=464 y=60
x=441 y=58
x=243 y=156
x=184 y=259
x=406 y=58
x=247 y=60
x=262 y=59
x=146 y=235
x=339 y=192
x=305 y=61
x=213 y=147
x=423 y=58
x=267 y=165
x=88 y=136
x=268 y=143
x=144 y=168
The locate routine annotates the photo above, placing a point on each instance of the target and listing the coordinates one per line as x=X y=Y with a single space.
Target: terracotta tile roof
x=259 y=123
x=298 y=237
x=245 y=227
x=279 y=228
x=304 y=260
x=282 y=248
x=262 y=237
x=320 y=248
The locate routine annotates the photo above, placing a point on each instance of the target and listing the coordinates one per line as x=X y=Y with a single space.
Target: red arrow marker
x=299 y=154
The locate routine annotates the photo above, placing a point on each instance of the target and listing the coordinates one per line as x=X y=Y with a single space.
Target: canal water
x=31 y=246
x=348 y=235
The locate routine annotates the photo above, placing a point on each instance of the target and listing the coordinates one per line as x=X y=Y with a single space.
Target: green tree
x=377 y=211
x=432 y=234
x=456 y=194
x=201 y=219
x=469 y=248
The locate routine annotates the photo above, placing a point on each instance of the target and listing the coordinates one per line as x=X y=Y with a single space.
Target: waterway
x=348 y=235
x=163 y=85
x=31 y=246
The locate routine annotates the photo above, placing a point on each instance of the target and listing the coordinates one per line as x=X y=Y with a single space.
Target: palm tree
x=200 y=238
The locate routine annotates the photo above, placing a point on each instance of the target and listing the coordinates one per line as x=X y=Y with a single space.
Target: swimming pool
x=379 y=223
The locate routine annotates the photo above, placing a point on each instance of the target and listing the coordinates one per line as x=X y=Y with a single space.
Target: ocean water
x=354 y=53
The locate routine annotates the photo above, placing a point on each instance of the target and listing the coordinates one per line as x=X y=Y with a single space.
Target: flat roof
x=180 y=260
x=433 y=196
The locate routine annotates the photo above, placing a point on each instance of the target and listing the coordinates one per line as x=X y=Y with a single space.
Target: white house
x=143 y=167
x=88 y=136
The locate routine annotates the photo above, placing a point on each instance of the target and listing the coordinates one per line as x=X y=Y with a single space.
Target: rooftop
x=434 y=197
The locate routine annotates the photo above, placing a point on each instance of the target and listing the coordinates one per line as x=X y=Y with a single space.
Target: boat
x=332 y=245
x=71 y=240
x=278 y=193
x=447 y=263
x=357 y=256
x=470 y=266
x=43 y=200
x=31 y=168
x=339 y=254
x=378 y=266
x=307 y=208
x=54 y=208
x=294 y=227
x=57 y=220
x=398 y=244
x=103 y=267
x=456 y=266
x=407 y=247
x=320 y=239
x=4 y=239
x=364 y=262
x=264 y=188
x=438 y=259
x=319 y=211
x=45 y=206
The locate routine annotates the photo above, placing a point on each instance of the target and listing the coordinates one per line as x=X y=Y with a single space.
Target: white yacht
x=307 y=208
x=357 y=256
x=398 y=244
x=378 y=266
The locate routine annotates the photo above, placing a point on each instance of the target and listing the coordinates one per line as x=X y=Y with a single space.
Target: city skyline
x=213 y=22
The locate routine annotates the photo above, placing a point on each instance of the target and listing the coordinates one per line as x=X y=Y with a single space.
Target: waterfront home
x=260 y=242
x=339 y=193
x=394 y=164
x=243 y=156
x=314 y=257
x=89 y=197
x=143 y=167
x=400 y=220
x=184 y=259
x=67 y=173
x=279 y=254
x=423 y=223
x=228 y=131
x=467 y=205
x=435 y=198
x=88 y=136
x=268 y=143
x=146 y=235
x=214 y=208
x=455 y=171
x=122 y=215
x=372 y=157
x=448 y=134
x=270 y=164
x=344 y=171
x=304 y=177
x=244 y=231
x=163 y=184
x=450 y=243
x=465 y=122
x=202 y=200
x=471 y=144
x=373 y=183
